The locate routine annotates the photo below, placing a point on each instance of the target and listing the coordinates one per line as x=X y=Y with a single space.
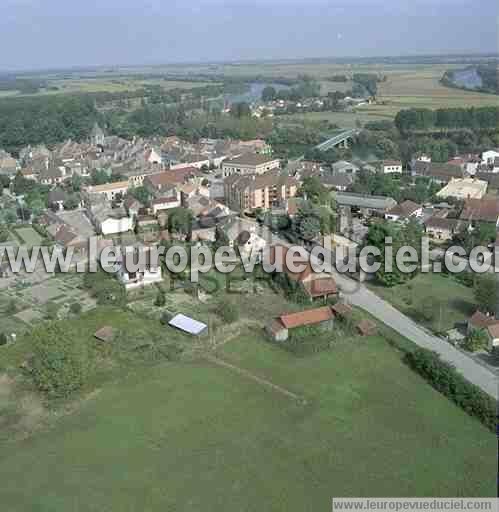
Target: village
x=156 y=191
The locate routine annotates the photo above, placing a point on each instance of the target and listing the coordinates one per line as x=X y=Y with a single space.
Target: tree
x=52 y=310
x=228 y=311
x=406 y=235
x=3 y=339
x=180 y=221
x=314 y=191
x=269 y=93
x=240 y=110
x=4 y=182
x=72 y=202
x=487 y=292
x=75 y=308
x=221 y=238
x=8 y=215
x=142 y=194
x=11 y=307
x=476 y=340
x=160 y=299
x=76 y=183
x=4 y=234
x=23 y=185
x=60 y=363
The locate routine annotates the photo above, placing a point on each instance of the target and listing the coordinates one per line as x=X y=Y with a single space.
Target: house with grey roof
x=367 y=205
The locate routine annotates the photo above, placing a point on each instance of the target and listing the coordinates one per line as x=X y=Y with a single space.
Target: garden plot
x=29 y=236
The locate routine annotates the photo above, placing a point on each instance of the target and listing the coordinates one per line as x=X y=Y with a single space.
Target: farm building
x=278 y=328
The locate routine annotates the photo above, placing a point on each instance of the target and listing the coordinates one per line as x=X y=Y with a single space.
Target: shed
x=366 y=328
x=188 y=325
x=105 y=334
x=342 y=310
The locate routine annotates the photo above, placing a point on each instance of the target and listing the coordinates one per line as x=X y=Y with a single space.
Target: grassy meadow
x=453 y=302
x=193 y=435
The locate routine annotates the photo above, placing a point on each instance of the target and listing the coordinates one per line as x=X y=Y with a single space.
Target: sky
x=42 y=34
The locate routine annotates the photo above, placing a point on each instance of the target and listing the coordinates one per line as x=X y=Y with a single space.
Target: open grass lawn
x=194 y=436
x=452 y=302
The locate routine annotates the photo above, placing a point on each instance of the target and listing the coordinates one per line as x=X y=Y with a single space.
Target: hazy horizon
x=54 y=34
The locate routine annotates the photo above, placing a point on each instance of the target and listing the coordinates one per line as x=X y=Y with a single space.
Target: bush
x=476 y=340
x=51 y=310
x=160 y=299
x=11 y=307
x=60 y=365
x=308 y=340
x=228 y=312
x=165 y=318
x=444 y=378
x=75 y=308
x=3 y=339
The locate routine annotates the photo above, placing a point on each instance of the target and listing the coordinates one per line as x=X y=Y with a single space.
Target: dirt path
x=256 y=378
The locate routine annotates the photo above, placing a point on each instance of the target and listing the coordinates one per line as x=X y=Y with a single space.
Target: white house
x=144 y=277
x=391 y=167
x=243 y=234
x=166 y=203
x=109 y=190
x=493 y=335
x=488 y=157
x=110 y=221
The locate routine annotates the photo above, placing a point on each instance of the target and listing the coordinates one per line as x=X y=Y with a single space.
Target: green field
x=193 y=435
x=453 y=302
x=342 y=119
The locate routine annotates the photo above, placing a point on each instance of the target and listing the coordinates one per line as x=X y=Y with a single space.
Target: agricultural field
x=414 y=87
x=436 y=301
x=103 y=84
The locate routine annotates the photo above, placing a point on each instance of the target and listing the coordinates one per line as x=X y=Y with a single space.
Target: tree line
x=447 y=118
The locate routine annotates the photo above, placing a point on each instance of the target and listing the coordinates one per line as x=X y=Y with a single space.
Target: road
x=358 y=295
x=472 y=370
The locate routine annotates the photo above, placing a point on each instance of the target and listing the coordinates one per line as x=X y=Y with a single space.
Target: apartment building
x=249 y=164
x=246 y=193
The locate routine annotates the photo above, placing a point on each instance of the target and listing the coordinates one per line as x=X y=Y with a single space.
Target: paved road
x=358 y=295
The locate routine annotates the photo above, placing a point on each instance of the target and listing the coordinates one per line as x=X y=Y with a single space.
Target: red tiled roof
x=404 y=209
x=479 y=320
x=173 y=177
x=320 y=286
x=494 y=330
x=481 y=210
x=308 y=317
x=342 y=309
